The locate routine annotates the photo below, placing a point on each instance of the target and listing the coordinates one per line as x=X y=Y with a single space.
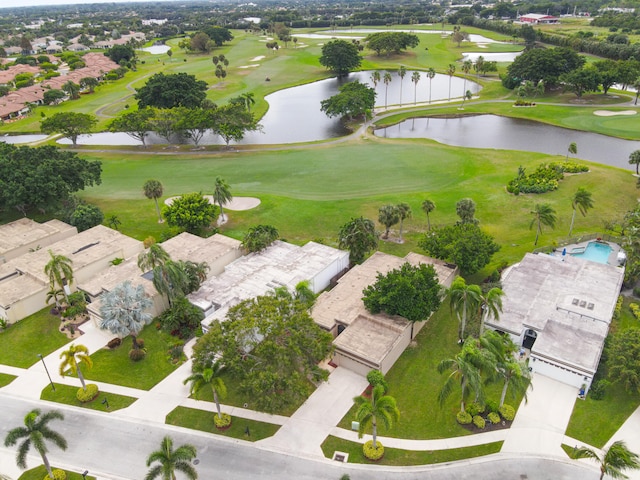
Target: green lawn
x=394 y=456
x=40 y=472
x=67 y=394
x=114 y=366
x=6 y=379
x=22 y=342
x=203 y=420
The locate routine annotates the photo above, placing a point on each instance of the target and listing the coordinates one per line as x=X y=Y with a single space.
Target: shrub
x=224 y=422
x=598 y=389
x=493 y=417
x=475 y=408
x=373 y=453
x=89 y=394
x=140 y=342
x=117 y=261
x=478 y=421
x=463 y=418
x=176 y=352
x=544 y=178
x=376 y=377
x=137 y=354
x=492 y=406
x=182 y=319
x=618 y=309
x=57 y=475
x=635 y=309
x=114 y=343
x=507 y=412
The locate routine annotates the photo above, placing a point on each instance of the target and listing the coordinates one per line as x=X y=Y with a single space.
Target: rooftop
x=25 y=232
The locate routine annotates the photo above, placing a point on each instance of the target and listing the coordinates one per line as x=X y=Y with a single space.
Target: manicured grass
x=23 y=341
x=6 y=379
x=395 y=456
x=203 y=420
x=114 y=366
x=67 y=394
x=40 y=472
x=595 y=421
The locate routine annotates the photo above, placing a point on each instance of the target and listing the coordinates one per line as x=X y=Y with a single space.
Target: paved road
x=114 y=447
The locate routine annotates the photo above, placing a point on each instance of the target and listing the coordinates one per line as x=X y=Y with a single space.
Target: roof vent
x=575 y=301
x=590 y=306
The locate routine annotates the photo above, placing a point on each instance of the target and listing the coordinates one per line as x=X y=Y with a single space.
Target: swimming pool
x=595 y=251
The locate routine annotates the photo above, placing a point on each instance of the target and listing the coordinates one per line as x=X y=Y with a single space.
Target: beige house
x=23 y=283
x=25 y=235
x=365 y=341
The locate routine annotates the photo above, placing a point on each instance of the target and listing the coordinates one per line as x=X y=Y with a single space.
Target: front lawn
x=67 y=394
x=6 y=379
x=203 y=420
x=21 y=343
x=395 y=456
x=114 y=366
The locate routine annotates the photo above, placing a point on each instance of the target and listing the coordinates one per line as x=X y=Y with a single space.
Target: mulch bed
x=489 y=427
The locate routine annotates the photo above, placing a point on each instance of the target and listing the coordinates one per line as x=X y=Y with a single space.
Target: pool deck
x=582 y=246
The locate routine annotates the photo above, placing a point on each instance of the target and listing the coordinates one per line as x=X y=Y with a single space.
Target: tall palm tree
x=72 y=357
x=153 y=190
x=387 y=80
x=388 y=216
x=581 y=201
x=428 y=206
x=463 y=372
x=171 y=460
x=248 y=100
x=464 y=300
x=402 y=72
x=60 y=271
x=613 y=461
x=466 y=68
x=636 y=87
x=467 y=96
x=123 y=311
x=415 y=78
x=451 y=69
x=515 y=374
x=404 y=212
x=573 y=149
x=54 y=294
x=490 y=306
x=210 y=377
x=543 y=214
x=431 y=73
x=375 y=78
x=379 y=407
x=221 y=193
x=35 y=431
x=152 y=257
x=170 y=279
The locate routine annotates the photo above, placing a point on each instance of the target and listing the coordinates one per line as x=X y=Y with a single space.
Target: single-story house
x=25 y=235
x=538 y=18
x=560 y=308
x=366 y=341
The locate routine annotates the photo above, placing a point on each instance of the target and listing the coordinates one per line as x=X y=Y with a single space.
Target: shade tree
x=359 y=236
x=70 y=124
x=191 y=212
x=354 y=99
x=137 y=124
x=391 y=42
x=340 y=56
x=172 y=90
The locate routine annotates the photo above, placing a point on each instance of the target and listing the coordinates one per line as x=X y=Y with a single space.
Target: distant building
x=538 y=18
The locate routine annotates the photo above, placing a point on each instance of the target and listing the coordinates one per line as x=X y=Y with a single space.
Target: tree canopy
x=353 y=100
x=191 y=212
x=359 y=236
x=465 y=245
x=623 y=359
x=172 y=90
x=413 y=292
x=272 y=346
x=218 y=35
x=69 y=124
x=391 y=42
x=136 y=124
x=42 y=177
x=340 y=56
x=259 y=237
x=546 y=64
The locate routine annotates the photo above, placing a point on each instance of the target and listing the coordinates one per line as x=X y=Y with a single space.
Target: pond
x=473 y=38
x=491 y=56
x=492 y=131
x=21 y=138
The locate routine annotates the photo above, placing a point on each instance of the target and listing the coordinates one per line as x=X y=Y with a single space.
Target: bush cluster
x=493 y=417
x=598 y=389
x=463 y=418
x=224 y=422
x=114 y=343
x=618 y=309
x=475 y=408
x=635 y=309
x=137 y=354
x=479 y=422
x=57 y=475
x=89 y=394
x=492 y=406
x=544 y=178
x=375 y=378
x=524 y=103
x=507 y=412
x=373 y=453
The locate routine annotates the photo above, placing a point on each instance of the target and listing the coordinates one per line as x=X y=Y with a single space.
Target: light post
x=53 y=387
x=106 y=402
x=84 y=474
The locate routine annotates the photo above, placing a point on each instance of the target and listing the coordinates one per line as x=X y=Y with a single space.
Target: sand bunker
x=610 y=113
x=253 y=65
x=257 y=59
x=236 y=205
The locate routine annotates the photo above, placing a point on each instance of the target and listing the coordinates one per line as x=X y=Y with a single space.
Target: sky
x=44 y=3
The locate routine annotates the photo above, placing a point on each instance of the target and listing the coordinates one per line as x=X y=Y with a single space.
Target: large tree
x=124 y=311
x=170 y=460
x=354 y=99
x=359 y=236
x=369 y=410
x=340 y=56
x=546 y=64
x=191 y=212
x=172 y=90
x=465 y=245
x=581 y=80
x=218 y=35
x=272 y=346
x=153 y=190
x=232 y=122
x=72 y=358
x=614 y=460
x=35 y=432
x=136 y=124
x=69 y=124
x=59 y=269
x=581 y=201
x=391 y=42
x=623 y=359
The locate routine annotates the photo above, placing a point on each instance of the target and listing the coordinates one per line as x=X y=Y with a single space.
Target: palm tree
x=152 y=257
x=581 y=201
x=60 y=272
x=404 y=212
x=415 y=78
x=35 y=431
x=431 y=73
x=379 y=406
x=463 y=372
x=466 y=68
x=634 y=159
x=71 y=358
x=613 y=461
x=636 y=86
x=153 y=190
x=490 y=306
x=170 y=279
x=171 y=460
x=375 y=78
x=573 y=149
x=221 y=193
x=54 y=294
x=402 y=71
x=467 y=96
x=428 y=206
x=210 y=377
x=451 y=69
x=464 y=300
x=388 y=216
x=387 y=80
x=248 y=100
x=114 y=222
x=543 y=214
x=123 y=311
x=515 y=374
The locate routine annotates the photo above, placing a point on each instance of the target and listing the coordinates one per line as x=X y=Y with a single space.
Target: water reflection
x=492 y=131
x=491 y=57
x=21 y=138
